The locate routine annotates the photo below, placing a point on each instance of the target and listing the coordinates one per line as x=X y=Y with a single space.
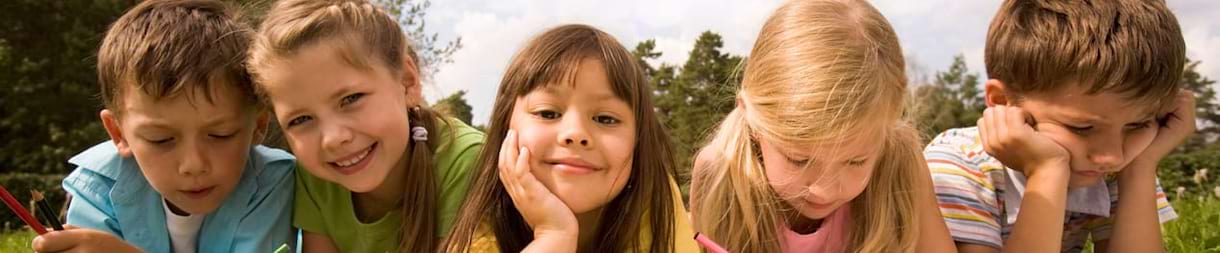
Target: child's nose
x=194 y=161
x=574 y=133
x=334 y=136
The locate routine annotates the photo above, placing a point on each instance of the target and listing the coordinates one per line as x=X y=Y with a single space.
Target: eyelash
x=601 y=119
x=349 y=99
x=299 y=120
x=345 y=101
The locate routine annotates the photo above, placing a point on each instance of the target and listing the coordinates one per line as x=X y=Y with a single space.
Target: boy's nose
x=194 y=161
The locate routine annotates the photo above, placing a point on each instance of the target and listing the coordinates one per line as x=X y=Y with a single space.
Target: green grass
x=16 y=241
x=1197 y=229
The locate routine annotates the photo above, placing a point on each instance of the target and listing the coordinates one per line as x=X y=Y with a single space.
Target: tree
x=1207 y=110
x=952 y=100
x=48 y=109
x=694 y=99
x=430 y=52
x=455 y=106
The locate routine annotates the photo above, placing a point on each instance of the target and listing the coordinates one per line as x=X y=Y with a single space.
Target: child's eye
x=856 y=162
x=548 y=114
x=1140 y=125
x=1079 y=129
x=222 y=136
x=798 y=162
x=607 y=120
x=349 y=99
x=161 y=141
x=299 y=120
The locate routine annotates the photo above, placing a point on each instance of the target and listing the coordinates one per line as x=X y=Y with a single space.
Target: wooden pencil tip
x=36 y=195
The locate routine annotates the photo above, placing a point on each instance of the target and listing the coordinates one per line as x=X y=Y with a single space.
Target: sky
x=931 y=32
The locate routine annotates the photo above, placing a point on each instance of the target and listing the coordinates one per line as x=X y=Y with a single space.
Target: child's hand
x=544 y=211
x=1009 y=138
x=1175 y=125
x=74 y=239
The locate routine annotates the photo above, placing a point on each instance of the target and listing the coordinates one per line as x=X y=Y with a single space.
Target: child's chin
x=1081 y=181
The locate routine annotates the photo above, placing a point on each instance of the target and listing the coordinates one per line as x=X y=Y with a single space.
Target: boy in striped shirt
x=1082 y=98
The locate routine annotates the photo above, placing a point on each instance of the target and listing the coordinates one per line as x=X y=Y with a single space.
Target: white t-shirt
x=183 y=230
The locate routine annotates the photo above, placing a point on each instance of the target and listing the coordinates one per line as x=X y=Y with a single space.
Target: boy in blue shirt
x=183 y=171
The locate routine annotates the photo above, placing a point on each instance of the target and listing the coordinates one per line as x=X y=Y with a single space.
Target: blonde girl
x=583 y=163
x=815 y=157
x=382 y=172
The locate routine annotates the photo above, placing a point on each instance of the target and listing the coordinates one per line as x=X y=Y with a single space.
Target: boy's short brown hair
x=1133 y=47
x=164 y=47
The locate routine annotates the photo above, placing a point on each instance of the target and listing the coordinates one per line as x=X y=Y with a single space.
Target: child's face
x=191 y=151
x=1102 y=132
x=580 y=137
x=817 y=179
x=345 y=125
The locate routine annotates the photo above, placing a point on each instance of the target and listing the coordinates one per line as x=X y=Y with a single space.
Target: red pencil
x=21 y=212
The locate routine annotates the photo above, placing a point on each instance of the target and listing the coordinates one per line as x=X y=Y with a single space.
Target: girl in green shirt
x=383 y=173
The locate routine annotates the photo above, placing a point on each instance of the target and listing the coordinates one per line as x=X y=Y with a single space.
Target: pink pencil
x=21 y=212
x=709 y=244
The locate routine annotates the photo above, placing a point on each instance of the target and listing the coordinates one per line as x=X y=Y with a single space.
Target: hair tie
x=419 y=133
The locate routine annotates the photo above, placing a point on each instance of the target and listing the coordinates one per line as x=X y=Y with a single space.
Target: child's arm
x=1137 y=227
x=75 y=239
x=554 y=224
x=1009 y=138
x=317 y=243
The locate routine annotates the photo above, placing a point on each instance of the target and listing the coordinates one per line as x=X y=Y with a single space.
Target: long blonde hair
x=819 y=69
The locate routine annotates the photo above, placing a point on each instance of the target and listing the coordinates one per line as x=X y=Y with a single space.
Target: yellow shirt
x=684 y=234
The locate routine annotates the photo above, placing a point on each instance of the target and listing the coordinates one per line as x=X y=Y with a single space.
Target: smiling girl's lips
x=355 y=162
x=573 y=166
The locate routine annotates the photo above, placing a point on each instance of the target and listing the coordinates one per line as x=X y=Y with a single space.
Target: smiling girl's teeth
x=354 y=160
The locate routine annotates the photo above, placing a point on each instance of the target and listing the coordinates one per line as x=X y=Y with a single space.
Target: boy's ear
x=411 y=81
x=995 y=93
x=110 y=121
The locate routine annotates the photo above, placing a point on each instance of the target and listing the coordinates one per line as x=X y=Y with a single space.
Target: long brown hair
x=549 y=58
x=366 y=37
x=819 y=70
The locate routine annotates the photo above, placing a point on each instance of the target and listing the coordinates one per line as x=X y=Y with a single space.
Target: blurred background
x=691 y=50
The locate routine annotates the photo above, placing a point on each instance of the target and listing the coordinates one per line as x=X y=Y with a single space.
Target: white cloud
x=932 y=32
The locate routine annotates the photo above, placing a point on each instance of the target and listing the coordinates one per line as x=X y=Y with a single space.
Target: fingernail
x=523 y=149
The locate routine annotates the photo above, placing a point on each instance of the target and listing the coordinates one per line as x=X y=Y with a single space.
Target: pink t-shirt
x=831 y=237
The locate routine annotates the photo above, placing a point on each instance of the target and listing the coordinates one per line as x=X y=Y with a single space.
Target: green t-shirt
x=325 y=207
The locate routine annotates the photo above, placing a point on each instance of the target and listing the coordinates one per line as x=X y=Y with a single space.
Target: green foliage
x=20 y=184
x=16 y=241
x=1179 y=169
x=47 y=55
x=455 y=106
x=953 y=100
x=1197 y=228
x=692 y=100
x=1207 y=109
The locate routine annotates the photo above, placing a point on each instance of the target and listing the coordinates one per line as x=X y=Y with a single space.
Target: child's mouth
x=198 y=193
x=354 y=163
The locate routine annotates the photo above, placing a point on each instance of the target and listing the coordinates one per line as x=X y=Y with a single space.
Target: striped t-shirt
x=980 y=197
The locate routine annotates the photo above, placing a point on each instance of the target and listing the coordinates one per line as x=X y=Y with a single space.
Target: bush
x=1178 y=170
x=20 y=184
